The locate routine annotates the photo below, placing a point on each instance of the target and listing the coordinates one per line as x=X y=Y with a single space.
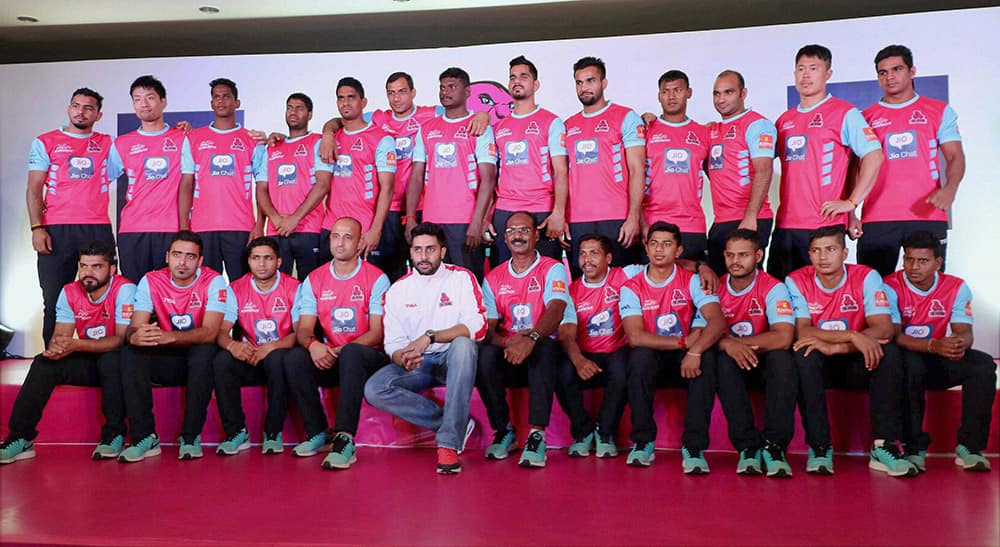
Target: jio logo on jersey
x=345 y=321
x=668 y=324
x=286 y=174
x=445 y=154
x=833 y=324
x=918 y=331
x=676 y=161
x=516 y=153
x=81 y=168
x=404 y=148
x=344 y=165
x=155 y=168
x=601 y=324
x=522 y=317
x=741 y=328
x=96 y=333
x=182 y=321
x=223 y=165
x=715 y=157
x=901 y=146
x=265 y=330
x=586 y=151
x=795 y=148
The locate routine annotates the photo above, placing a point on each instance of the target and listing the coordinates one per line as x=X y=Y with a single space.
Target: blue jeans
x=395 y=390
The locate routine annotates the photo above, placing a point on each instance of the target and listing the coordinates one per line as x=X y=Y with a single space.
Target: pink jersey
x=181 y=308
x=842 y=308
x=599 y=323
x=153 y=166
x=291 y=175
x=354 y=187
x=223 y=179
x=928 y=316
x=524 y=146
x=76 y=188
x=96 y=320
x=451 y=178
x=520 y=301
x=675 y=157
x=264 y=318
x=343 y=305
x=404 y=131
x=666 y=310
x=730 y=164
x=746 y=313
x=911 y=170
x=598 y=168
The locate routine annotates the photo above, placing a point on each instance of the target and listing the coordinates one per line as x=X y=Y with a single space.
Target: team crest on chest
x=918 y=118
x=359 y=145
x=817 y=120
x=92 y=146
x=279 y=305
x=937 y=309
x=357 y=295
x=194 y=301
x=692 y=138
x=301 y=151
x=731 y=133
x=444 y=301
x=532 y=129
x=848 y=303
x=462 y=133
x=237 y=144
x=610 y=295
x=169 y=145
x=534 y=285
x=677 y=298
x=602 y=127
x=755 y=308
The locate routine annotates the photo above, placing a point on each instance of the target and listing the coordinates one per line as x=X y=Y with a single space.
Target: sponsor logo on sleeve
x=881 y=299
x=784 y=307
x=559 y=286
x=869 y=134
x=765 y=142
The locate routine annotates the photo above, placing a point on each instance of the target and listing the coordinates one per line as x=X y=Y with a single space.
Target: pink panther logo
x=487 y=96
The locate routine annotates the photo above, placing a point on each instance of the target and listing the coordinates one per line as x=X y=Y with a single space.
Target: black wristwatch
x=430 y=334
x=534 y=336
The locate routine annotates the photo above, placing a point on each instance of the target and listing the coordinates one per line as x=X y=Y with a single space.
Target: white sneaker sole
x=978 y=466
x=147 y=454
x=26 y=455
x=876 y=465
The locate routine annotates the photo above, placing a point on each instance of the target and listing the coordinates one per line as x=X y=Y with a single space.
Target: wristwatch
x=430 y=334
x=534 y=336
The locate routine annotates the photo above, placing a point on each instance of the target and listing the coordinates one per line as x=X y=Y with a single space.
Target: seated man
x=759 y=315
x=657 y=310
x=843 y=324
x=525 y=298
x=98 y=307
x=344 y=296
x=929 y=303
x=433 y=318
x=260 y=304
x=596 y=355
x=186 y=300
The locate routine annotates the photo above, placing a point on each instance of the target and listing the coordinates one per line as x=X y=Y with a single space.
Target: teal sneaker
x=918 y=458
x=272 y=444
x=235 y=444
x=581 y=447
x=642 y=455
x=820 y=460
x=312 y=445
x=342 y=453
x=503 y=443
x=533 y=454
x=970 y=460
x=13 y=450
x=190 y=451
x=774 y=462
x=694 y=462
x=148 y=447
x=888 y=458
x=109 y=450
x=749 y=463
x=605 y=447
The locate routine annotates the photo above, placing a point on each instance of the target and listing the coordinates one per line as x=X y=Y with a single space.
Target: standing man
x=676 y=148
x=157 y=159
x=188 y=302
x=657 y=310
x=97 y=307
x=261 y=304
x=297 y=182
x=758 y=312
x=908 y=193
x=68 y=197
x=525 y=300
x=434 y=317
x=606 y=171
x=844 y=329
x=458 y=179
x=218 y=202
x=533 y=167
x=930 y=303
x=740 y=165
x=815 y=143
x=344 y=297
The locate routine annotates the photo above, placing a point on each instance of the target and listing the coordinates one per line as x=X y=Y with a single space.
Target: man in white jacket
x=433 y=318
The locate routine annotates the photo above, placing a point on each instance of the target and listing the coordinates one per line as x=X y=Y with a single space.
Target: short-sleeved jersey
x=675 y=159
x=525 y=146
x=755 y=309
x=735 y=143
x=518 y=300
x=291 y=174
x=598 y=166
x=595 y=311
x=668 y=308
x=226 y=164
x=404 y=131
x=343 y=305
x=814 y=147
x=910 y=134
x=354 y=188
x=153 y=163
x=860 y=294
x=927 y=314
x=181 y=308
x=92 y=319
x=263 y=317
x=75 y=190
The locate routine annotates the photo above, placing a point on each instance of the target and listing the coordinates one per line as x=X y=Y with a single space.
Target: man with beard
x=98 y=308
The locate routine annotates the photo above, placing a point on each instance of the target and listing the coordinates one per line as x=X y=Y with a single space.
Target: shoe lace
x=340 y=443
x=893 y=450
x=534 y=441
x=775 y=451
x=447 y=456
x=8 y=442
x=499 y=436
x=820 y=451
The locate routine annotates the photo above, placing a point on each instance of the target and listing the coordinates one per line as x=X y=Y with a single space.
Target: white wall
x=33 y=99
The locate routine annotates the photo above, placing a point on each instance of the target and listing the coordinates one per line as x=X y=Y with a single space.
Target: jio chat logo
x=601 y=324
x=445 y=155
x=344 y=321
x=586 y=151
x=676 y=161
x=516 y=153
x=344 y=165
x=96 y=333
x=404 y=148
x=795 y=148
x=715 y=157
x=741 y=328
x=223 y=165
x=81 y=168
x=918 y=331
x=522 y=317
x=901 y=146
x=265 y=331
x=668 y=324
x=833 y=324
x=183 y=321
x=156 y=168
x=286 y=174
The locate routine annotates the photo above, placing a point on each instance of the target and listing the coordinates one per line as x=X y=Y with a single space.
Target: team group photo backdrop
x=954 y=50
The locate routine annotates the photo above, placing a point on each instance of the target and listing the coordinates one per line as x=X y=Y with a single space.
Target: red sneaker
x=448 y=463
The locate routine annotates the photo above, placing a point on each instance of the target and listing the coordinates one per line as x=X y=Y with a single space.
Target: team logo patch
x=301 y=151
x=94 y=146
x=516 y=153
x=602 y=127
x=534 y=285
x=848 y=304
x=358 y=145
x=610 y=295
x=412 y=125
x=279 y=305
x=870 y=135
x=816 y=121
x=444 y=301
x=917 y=118
x=795 y=147
x=765 y=142
x=901 y=146
x=237 y=144
x=677 y=298
x=937 y=309
x=169 y=145
x=532 y=129
x=194 y=301
x=461 y=132
x=286 y=174
x=881 y=299
x=755 y=309
x=784 y=307
x=357 y=295
x=81 y=167
x=223 y=165
x=559 y=286
x=731 y=133
x=521 y=317
x=692 y=138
